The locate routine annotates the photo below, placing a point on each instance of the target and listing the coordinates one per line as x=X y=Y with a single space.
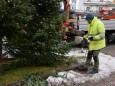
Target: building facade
x=91 y=5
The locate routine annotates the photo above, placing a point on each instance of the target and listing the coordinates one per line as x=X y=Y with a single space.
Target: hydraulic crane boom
x=107 y=14
x=67 y=8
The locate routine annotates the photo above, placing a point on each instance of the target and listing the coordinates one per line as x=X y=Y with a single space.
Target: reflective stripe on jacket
x=97 y=30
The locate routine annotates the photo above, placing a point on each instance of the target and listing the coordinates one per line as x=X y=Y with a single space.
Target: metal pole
x=77 y=22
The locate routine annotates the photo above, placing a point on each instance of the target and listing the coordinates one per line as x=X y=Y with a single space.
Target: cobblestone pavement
x=109 y=81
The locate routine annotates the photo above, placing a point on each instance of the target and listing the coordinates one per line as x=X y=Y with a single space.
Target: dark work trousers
x=94 y=54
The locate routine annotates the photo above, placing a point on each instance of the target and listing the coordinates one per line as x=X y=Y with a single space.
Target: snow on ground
x=71 y=77
x=6 y=54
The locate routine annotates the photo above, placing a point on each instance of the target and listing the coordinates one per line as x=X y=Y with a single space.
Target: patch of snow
x=106 y=67
x=75 y=52
x=7 y=55
x=54 y=81
x=67 y=75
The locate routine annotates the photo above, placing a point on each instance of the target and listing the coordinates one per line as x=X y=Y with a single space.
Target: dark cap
x=89 y=16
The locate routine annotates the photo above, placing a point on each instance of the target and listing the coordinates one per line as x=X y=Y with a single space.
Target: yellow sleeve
x=101 y=32
x=85 y=36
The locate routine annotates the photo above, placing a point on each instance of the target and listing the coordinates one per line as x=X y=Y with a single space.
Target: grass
x=16 y=75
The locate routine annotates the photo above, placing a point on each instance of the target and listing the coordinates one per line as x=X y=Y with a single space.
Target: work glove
x=90 y=38
x=84 y=43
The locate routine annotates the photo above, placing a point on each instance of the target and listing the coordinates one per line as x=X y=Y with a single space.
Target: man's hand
x=90 y=38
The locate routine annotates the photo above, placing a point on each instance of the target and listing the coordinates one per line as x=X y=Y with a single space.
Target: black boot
x=93 y=71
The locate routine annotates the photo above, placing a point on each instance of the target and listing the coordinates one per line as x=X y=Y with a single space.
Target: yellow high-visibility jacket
x=97 y=30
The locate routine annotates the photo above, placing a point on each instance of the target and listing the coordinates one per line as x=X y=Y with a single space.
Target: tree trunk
x=0 y=48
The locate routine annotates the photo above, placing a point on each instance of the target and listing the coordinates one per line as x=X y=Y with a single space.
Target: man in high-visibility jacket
x=96 y=41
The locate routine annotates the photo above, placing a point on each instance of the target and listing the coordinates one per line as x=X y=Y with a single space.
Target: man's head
x=89 y=17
